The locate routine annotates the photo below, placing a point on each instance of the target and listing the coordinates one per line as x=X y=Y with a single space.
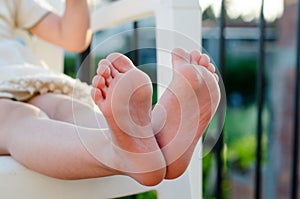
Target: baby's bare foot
x=123 y=93
x=186 y=107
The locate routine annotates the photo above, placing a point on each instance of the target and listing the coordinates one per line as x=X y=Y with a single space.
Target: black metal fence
x=295 y=164
x=260 y=85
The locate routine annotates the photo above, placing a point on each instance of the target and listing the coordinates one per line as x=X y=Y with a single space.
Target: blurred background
x=247 y=75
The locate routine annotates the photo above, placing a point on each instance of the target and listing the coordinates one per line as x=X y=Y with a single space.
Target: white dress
x=22 y=74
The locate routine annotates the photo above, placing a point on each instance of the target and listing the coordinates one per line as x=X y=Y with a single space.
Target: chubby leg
x=42 y=144
x=65 y=108
x=185 y=109
x=63 y=150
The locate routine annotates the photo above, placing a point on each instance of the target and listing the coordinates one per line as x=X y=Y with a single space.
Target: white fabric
x=21 y=82
x=22 y=74
x=18 y=14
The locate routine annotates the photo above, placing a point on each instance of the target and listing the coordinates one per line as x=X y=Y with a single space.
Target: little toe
x=216 y=76
x=180 y=56
x=204 y=60
x=120 y=62
x=211 y=68
x=195 y=56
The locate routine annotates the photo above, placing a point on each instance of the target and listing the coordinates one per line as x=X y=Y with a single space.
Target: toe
x=97 y=95
x=114 y=71
x=104 y=68
x=195 y=56
x=204 y=60
x=180 y=56
x=120 y=62
x=211 y=68
x=216 y=76
x=98 y=82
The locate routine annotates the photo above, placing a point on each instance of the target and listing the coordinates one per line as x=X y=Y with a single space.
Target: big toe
x=120 y=62
x=180 y=57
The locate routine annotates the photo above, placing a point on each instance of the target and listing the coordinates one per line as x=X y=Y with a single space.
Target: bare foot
x=186 y=108
x=124 y=95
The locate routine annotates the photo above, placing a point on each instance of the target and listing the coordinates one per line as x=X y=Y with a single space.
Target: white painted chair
x=17 y=181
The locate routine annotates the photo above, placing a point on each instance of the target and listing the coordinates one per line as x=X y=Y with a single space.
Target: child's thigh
x=61 y=107
x=14 y=115
x=12 y=111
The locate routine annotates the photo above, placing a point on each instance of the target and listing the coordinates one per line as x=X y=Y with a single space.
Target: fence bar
x=136 y=60
x=220 y=143
x=84 y=69
x=295 y=163
x=260 y=103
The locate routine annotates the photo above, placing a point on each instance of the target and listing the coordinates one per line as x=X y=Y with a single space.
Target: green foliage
x=70 y=63
x=240 y=147
x=207 y=166
x=240 y=76
x=240 y=134
x=208 y=14
x=146 y=195
x=239 y=122
x=241 y=154
x=154 y=96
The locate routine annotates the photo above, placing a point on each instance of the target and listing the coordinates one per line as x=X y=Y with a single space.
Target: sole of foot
x=189 y=104
x=124 y=95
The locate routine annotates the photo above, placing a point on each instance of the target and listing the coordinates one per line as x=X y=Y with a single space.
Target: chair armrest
x=16 y=181
x=121 y=12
